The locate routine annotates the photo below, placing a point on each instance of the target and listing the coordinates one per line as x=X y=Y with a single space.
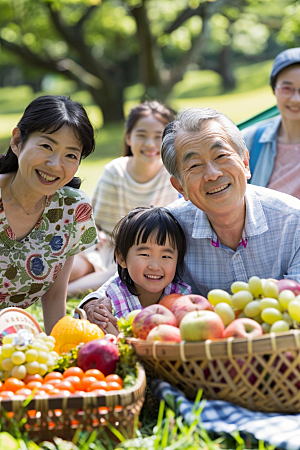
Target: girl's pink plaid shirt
x=123 y=301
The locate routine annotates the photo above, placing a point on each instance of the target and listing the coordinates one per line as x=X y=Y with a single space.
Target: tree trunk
x=225 y=68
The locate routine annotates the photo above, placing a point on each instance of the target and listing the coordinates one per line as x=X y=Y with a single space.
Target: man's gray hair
x=192 y=120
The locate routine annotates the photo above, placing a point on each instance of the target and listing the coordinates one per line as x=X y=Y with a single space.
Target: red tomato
x=114 y=377
x=94 y=373
x=73 y=372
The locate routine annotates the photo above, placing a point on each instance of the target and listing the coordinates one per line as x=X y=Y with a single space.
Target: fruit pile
x=74 y=381
x=254 y=308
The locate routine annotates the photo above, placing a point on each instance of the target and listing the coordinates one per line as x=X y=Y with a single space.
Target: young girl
x=135 y=179
x=149 y=249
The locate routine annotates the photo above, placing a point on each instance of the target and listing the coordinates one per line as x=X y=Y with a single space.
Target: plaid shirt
x=269 y=247
x=123 y=301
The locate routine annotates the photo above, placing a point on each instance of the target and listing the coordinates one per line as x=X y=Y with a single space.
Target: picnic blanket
x=280 y=430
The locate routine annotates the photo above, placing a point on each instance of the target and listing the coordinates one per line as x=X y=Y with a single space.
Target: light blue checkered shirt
x=269 y=247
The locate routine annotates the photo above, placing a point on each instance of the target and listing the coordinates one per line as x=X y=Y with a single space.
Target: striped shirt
x=269 y=248
x=123 y=301
x=117 y=193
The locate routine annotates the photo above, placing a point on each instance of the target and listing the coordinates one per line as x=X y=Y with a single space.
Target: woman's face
x=287 y=92
x=145 y=139
x=47 y=161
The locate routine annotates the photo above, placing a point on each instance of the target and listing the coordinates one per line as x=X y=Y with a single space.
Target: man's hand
x=99 y=311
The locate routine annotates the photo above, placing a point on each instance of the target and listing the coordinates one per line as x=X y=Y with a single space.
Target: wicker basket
x=61 y=417
x=262 y=374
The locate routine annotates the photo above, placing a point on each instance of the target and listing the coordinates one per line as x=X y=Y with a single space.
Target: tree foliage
x=106 y=46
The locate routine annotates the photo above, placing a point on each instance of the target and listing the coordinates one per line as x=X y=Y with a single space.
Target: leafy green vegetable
x=125 y=327
x=126 y=367
x=67 y=359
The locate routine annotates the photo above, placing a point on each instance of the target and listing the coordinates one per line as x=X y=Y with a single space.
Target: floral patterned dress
x=29 y=267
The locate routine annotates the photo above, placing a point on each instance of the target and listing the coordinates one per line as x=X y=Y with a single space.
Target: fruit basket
x=62 y=416
x=261 y=374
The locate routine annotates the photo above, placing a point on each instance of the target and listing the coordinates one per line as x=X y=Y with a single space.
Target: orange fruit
x=53 y=376
x=24 y=391
x=66 y=386
x=113 y=386
x=54 y=391
x=73 y=372
x=86 y=382
x=94 y=373
x=169 y=300
x=40 y=393
x=97 y=385
x=99 y=391
x=48 y=388
x=114 y=377
x=75 y=381
x=13 y=384
x=35 y=377
x=54 y=382
x=33 y=385
x=6 y=394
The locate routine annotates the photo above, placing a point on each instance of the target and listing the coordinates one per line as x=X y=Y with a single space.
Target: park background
x=111 y=54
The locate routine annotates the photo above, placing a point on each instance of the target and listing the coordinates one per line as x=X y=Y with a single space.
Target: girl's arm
x=54 y=300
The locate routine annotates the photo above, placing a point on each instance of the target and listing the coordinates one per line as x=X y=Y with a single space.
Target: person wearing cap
x=276 y=142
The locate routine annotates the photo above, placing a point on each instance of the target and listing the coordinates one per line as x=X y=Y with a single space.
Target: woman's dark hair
x=158 y=110
x=49 y=113
x=137 y=227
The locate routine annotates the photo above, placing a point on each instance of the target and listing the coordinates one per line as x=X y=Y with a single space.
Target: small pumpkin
x=69 y=332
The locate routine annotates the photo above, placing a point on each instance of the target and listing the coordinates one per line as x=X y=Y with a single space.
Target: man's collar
x=255 y=223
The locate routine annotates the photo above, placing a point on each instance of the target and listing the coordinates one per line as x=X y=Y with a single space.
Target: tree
x=105 y=47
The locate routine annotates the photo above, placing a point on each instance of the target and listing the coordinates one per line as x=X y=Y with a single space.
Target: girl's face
x=47 y=161
x=145 y=139
x=151 y=266
x=287 y=92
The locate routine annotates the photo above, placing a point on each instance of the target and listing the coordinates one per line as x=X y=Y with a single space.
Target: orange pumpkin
x=69 y=332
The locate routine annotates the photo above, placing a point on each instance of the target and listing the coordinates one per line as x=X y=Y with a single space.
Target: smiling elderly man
x=233 y=230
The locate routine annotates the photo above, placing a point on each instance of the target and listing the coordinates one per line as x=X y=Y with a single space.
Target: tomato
x=75 y=381
x=113 y=386
x=114 y=377
x=35 y=377
x=47 y=387
x=94 y=373
x=13 y=384
x=73 y=372
x=65 y=385
x=53 y=376
x=6 y=394
x=97 y=385
x=33 y=385
x=54 y=382
x=24 y=391
x=86 y=382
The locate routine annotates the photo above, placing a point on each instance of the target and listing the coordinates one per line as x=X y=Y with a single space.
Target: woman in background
x=136 y=179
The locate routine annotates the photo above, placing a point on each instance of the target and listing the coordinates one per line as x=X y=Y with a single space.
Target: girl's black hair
x=49 y=113
x=161 y=112
x=137 y=227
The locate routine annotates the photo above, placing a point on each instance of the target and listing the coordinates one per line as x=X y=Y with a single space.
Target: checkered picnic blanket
x=280 y=430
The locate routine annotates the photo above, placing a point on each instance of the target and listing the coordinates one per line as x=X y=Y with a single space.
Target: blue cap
x=283 y=60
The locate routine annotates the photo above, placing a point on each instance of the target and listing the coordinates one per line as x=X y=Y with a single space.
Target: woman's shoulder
x=117 y=164
x=67 y=192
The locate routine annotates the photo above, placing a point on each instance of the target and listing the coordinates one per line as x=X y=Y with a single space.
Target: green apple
x=201 y=325
x=131 y=316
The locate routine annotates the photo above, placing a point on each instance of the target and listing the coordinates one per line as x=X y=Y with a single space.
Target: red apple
x=291 y=285
x=188 y=303
x=98 y=354
x=164 y=332
x=150 y=317
x=242 y=328
x=201 y=325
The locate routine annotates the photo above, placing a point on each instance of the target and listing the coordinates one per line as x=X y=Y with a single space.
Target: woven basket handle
x=81 y=313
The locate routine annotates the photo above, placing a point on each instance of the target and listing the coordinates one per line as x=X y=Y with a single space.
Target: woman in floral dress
x=44 y=218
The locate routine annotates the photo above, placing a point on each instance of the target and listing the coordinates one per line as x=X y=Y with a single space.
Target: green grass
x=198 y=89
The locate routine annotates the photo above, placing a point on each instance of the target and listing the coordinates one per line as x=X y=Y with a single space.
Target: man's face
x=213 y=175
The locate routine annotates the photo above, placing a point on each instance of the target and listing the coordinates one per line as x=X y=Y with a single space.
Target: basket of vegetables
x=95 y=384
x=243 y=348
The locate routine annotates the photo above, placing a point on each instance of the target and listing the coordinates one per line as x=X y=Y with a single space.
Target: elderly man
x=233 y=230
